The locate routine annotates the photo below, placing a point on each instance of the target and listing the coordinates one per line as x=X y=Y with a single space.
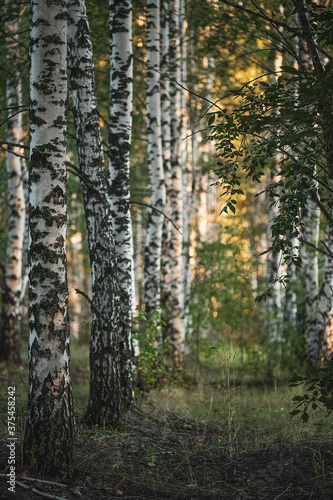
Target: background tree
x=119 y=148
x=105 y=392
x=15 y=165
x=153 y=246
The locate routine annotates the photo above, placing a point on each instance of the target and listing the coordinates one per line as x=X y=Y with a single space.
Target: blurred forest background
x=225 y=50
x=243 y=301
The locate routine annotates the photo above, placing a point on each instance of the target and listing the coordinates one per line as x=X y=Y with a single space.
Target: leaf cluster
x=319 y=391
x=153 y=369
x=278 y=127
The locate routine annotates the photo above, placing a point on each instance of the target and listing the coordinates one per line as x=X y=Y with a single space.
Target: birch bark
x=311 y=219
x=104 y=406
x=13 y=280
x=120 y=128
x=319 y=342
x=50 y=425
x=166 y=299
x=153 y=246
x=177 y=183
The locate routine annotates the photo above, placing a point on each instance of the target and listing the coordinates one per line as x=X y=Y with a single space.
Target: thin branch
x=262 y=16
x=330 y=254
x=309 y=244
x=157 y=210
x=37 y=492
x=43 y=481
x=79 y=292
x=277 y=23
x=323 y=209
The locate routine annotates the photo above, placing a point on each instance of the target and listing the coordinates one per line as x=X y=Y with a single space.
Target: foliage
x=152 y=366
x=222 y=298
x=283 y=125
x=319 y=391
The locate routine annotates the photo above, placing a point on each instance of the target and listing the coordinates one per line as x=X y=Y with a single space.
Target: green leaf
x=211 y=119
x=290 y=69
x=305 y=417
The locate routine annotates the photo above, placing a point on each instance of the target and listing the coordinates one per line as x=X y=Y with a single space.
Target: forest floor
x=162 y=453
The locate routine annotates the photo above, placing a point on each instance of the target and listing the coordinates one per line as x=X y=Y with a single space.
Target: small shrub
x=319 y=391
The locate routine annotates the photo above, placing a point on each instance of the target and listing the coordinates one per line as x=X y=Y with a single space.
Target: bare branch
x=157 y=210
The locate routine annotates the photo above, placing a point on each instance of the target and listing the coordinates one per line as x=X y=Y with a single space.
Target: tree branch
x=79 y=292
x=157 y=210
x=323 y=209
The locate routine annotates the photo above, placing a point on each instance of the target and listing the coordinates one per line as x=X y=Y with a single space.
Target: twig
x=84 y=295
x=327 y=249
x=323 y=209
x=283 y=492
x=34 y=490
x=157 y=210
x=308 y=243
x=43 y=481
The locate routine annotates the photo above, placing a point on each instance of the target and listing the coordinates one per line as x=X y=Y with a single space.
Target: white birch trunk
x=177 y=184
x=320 y=340
x=166 y=299
x=311 y=219
x=119 y=148
x=153 y=247
x=13 y=280
x=49 y=433
x=186 y=178
x=104 y=406
x=274 y=309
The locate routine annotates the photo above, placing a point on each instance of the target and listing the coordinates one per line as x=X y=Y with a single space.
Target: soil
x=157 y=456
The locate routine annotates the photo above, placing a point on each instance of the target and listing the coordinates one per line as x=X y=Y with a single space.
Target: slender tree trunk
x=138 y=256
x=274 y=259
x=319 y=342
x=274 y=311
x=104 y=406
x=186 y=177
x=13 y=282
x=166 y=299
x=311 y=218
x=155 y=163
x=120 y=127
x=49 y=435
x=177 y=185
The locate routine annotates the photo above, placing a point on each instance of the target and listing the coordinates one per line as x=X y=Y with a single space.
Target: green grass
x=242 y=407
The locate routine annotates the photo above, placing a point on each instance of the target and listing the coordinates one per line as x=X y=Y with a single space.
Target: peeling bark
x=104 y=405
x=177 y=184
x=120 y=128
x=49 y=435
x=153 y=246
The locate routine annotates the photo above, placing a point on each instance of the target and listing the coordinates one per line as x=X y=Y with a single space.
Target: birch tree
x=177 y=285
x=104 y=404
x=153 y=246
x=311 y=218
x=167 y=233
x=49 y=432
x=120 y=128
x=13 y=282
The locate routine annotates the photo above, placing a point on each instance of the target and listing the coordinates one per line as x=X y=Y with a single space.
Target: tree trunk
x=120 y=127
x=13 y=282
x=311 y=216
x=177 y=185
x=155 y=163
x=49 y=435
x=166 y=299
x=319 y=342
x=104 y=406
